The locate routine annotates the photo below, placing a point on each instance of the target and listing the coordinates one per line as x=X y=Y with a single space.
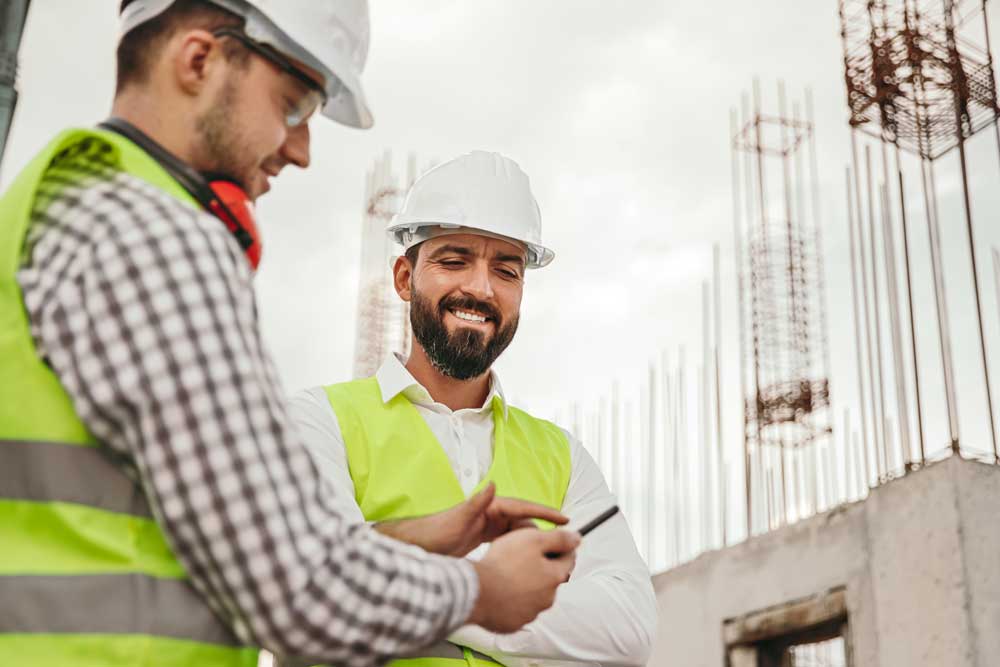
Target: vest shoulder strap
x=350 y=401
x=108 y=147
x=534 y=439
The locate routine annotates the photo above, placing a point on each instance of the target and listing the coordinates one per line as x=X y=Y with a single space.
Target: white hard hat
x=476 y=192
x=330 y=36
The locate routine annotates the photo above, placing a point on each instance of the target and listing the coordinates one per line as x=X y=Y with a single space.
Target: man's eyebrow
x=517 y=259
x=453 y=249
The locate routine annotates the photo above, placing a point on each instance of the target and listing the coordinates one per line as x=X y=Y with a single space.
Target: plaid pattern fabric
x=144 y=309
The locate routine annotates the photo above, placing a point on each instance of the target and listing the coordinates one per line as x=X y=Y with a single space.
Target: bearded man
x=429 y=431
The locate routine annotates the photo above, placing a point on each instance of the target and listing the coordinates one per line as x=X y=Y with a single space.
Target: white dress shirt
x=605 y=614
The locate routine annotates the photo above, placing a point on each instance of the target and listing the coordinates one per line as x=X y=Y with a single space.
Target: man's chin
x=468 y=338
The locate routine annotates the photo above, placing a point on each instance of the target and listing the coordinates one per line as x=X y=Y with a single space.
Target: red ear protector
x=218 y=194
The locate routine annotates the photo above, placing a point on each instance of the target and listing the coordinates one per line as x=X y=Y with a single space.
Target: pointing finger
x=514 y=508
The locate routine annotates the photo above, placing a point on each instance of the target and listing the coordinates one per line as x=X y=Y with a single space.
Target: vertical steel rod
x=757 y=458
x=683 y=443
x=849 y=481
x=862 y=261
x=902 y=404
x=616 y=443
x=979 y=302
x=859 y=454
x=996 y=278
x=909 y=299
x=762 y=192
x=675 y=435
x=941 y=300
x=717 y=316
x=628 y=457
x=667 y=418
x=738 y=264
x=876 y=300
x=857 y=318
x=707 y=449
x=820 y=266
x=651 y=463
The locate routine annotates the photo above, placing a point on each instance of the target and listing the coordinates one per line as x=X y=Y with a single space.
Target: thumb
x=559 y=541
x=478 y=503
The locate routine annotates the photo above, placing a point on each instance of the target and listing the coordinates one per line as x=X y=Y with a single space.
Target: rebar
x=783 y=342
x=896 y=336
x=717 y=331
x=909 y=301
x=13 y=14
x=858 y=325
x=877 y=321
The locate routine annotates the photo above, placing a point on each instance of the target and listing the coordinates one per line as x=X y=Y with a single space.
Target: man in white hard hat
x=148 y=514
x=428 y=431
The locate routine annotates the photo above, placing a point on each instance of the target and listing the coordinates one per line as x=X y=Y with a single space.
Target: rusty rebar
x=941 y=300
x=909 y=300
x=858 y=325
x=876 y=300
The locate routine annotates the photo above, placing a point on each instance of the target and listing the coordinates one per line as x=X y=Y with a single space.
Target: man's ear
x=193 y=53
x=402 y=274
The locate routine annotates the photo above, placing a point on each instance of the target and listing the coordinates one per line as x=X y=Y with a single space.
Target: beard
x=224 y=151
x=465 y=353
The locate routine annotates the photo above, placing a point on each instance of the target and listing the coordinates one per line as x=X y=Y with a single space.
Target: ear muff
x=221 y=196
x=233 y=207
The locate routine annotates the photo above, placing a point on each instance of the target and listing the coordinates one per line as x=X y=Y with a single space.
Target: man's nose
x=480 y=282
x=296 y=147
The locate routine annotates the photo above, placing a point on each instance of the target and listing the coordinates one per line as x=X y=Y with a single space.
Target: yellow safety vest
x=400 y=470
x=87 y=578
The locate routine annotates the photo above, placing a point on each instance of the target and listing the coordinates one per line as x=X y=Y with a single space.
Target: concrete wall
x=919 y=560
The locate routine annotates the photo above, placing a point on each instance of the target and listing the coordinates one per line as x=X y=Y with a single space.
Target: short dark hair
x=412 y=253
x=139 y=48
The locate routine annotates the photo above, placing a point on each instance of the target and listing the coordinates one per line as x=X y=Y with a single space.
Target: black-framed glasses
x=315 y=96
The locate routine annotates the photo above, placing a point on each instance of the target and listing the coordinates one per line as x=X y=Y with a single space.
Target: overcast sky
x=619 y=113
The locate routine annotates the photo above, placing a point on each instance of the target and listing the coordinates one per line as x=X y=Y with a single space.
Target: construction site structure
x=13 y=14
x=383 y=319
x=782 y=312
x=920 y=81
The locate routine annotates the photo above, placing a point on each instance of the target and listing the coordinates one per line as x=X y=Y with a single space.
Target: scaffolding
x=383 y=319
x=920 y=80
x=784 y=349
x=12 y=17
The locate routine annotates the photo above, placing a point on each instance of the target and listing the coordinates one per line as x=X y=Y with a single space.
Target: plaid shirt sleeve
x=144 y=309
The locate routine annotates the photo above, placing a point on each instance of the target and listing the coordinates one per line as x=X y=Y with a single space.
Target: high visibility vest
x=87 y=577
x=399 y=470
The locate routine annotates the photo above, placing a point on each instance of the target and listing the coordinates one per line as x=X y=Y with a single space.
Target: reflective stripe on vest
x=445 y=650
x=87 y=577
x=441 y=653
x=399 y=468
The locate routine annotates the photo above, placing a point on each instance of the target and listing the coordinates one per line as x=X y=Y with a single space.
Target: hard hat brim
x=346 y=101
x=409 y=234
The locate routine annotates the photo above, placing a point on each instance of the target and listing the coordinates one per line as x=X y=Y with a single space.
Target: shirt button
x=468 y=472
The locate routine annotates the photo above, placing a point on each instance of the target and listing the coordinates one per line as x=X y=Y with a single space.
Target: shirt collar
x=393 y=379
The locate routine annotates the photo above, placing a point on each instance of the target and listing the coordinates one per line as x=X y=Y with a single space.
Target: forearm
x=606 y=613
x=166 y=367
x=277 y=551
x=604 y=619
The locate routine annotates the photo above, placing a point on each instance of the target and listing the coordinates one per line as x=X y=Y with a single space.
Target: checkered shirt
x=144 y=309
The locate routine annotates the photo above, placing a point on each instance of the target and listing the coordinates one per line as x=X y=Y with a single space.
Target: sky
x=619 y=113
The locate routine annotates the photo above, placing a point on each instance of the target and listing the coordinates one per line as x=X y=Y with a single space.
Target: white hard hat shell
x=478 y=191
x=330 y=36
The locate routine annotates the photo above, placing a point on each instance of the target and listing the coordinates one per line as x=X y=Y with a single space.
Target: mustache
x=469 y=303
